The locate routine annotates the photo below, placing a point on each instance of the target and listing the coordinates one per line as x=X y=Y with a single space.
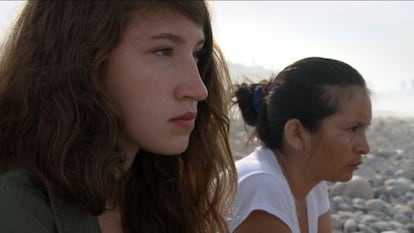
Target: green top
x=25 y=206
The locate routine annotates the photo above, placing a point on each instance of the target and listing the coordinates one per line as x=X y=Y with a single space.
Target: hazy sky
x=375 y=37
x=8 y=12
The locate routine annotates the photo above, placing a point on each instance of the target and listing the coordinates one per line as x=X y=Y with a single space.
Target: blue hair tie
x=257 y=97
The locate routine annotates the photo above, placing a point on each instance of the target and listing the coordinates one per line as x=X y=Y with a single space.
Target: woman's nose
x=362 y=146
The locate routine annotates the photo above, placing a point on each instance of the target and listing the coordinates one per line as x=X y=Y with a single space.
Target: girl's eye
x=164 y=52
x=197 y=55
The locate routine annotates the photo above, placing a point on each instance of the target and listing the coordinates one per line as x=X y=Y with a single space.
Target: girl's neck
x=110 y=221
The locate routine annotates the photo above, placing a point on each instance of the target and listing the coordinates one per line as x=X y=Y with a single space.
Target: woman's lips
x=354 y=165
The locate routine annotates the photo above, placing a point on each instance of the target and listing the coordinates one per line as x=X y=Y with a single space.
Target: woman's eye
x=353 y=129
x=163 y=52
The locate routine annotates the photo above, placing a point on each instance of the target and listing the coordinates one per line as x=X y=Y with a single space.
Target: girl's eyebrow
x=174 y=38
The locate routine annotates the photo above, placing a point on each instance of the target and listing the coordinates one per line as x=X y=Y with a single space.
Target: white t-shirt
x=262 y=186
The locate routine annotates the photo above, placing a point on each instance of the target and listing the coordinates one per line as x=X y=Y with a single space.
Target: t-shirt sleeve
x=24 y=209
x=264 y=192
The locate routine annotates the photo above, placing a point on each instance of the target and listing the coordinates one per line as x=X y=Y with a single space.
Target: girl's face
x=153 y=79
x=342 y=139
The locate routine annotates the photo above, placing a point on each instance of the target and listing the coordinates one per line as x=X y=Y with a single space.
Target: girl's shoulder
x=16 y=179
x=25 y=203
x=31 y=208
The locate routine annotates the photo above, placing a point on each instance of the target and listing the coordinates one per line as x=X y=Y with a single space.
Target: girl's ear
x=295 y=135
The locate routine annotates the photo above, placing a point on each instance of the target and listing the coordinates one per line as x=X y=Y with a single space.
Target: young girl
x=311 y=119
x=113 y=118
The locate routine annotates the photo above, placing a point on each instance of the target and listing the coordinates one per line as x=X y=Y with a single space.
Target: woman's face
x=342 y=139
x=153 y=79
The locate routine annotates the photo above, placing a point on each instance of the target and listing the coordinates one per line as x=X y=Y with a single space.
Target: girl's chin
x=172 y=150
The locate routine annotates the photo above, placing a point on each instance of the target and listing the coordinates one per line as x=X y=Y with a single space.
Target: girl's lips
x=185 y=121
x=186 y=116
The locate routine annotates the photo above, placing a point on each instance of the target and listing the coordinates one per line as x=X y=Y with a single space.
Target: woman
x=107 y=114
x=311 y=119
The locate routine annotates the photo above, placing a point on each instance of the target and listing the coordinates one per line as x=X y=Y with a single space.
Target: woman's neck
x=296 y=173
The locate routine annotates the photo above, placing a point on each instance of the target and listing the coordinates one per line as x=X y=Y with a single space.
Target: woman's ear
x=295 y=134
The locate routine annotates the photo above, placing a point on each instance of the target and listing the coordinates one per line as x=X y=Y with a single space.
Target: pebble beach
x=380 y=196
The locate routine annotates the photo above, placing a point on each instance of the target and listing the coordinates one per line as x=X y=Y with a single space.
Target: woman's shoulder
x=261 y=161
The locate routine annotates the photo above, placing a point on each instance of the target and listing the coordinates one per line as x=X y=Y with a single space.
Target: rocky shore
x=380 y=196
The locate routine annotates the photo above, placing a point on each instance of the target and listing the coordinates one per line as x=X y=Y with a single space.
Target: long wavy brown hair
x=57 y=123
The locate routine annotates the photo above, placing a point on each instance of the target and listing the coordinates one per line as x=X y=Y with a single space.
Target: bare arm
x=324 y=223
x=262 y=222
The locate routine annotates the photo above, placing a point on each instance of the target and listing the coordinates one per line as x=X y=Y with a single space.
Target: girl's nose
x=193 y=86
